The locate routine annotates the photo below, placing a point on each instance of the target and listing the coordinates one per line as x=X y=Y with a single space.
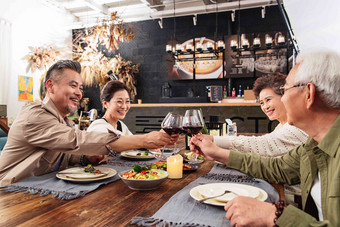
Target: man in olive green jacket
x=312 y=99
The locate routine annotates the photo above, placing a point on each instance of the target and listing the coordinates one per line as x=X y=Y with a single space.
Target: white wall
x=34 y=23
x=316 y=23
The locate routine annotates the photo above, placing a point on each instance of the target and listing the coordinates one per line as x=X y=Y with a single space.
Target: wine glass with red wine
x=192 y=125
x=172 y=124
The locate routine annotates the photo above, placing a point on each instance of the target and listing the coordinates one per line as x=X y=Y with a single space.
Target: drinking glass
x=192 y=125
x=84 y=120
x=172 y=124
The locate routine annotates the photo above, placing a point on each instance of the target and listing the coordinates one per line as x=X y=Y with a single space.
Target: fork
x=212 y=197
x=158 y=155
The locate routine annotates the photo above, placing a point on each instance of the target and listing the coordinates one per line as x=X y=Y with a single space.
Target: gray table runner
x=181 y=209
x=66 y=190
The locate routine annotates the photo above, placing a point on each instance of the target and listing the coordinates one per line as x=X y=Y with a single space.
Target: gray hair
x=57 y=68
x=322 y=68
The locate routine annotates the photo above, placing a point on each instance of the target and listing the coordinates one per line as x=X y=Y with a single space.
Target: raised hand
x=203 y=145
x=158 y=139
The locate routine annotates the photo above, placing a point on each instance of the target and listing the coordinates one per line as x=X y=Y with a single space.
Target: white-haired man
x=311 y=96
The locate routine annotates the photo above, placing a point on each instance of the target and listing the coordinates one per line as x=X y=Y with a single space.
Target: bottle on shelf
x=231 y=128
x=240 y=91
x=208 y=93
x=235 y=128
x=225 y=94
x=233 y=93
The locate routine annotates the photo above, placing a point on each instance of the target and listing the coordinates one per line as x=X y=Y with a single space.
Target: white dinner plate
x=134 y=154
x=77 y=174
x=252 y=191
x=209 y=190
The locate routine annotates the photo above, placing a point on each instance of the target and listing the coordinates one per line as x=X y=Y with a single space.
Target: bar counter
x=146 y=117
x=194 y=104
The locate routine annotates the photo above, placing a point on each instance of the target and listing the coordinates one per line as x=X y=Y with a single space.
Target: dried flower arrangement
x=41 y=58
x=110 y=33
x=95 y=65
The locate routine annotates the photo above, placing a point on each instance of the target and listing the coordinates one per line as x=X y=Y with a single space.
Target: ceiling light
x=263 y=11
x=160 y=22
x=194 y=19
x=232 y=15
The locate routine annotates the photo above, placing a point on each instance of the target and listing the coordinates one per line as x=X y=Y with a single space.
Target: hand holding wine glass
x=192 y=125
x=171 y=124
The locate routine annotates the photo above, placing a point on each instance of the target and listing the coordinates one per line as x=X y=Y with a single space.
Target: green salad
x=143 y=173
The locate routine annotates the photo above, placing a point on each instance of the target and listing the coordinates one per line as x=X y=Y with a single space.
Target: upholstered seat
x=3 y=139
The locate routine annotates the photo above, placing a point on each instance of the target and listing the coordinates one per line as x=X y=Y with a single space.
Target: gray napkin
x=67 y=190
x=181 y=209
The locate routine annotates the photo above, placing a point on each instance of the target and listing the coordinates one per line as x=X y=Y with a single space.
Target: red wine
x=172 y=131
x=192 y=130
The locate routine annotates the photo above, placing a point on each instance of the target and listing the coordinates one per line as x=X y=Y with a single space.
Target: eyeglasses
x=121 y=102
x=283 y=89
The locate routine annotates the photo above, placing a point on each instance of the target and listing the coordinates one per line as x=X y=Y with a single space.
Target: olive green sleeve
x=277 y=170
x=293 y=216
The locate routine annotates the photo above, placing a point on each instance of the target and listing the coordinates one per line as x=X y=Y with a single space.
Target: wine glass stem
x=162 y=151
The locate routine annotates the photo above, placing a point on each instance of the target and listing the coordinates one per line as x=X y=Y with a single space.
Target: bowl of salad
x=143 y=178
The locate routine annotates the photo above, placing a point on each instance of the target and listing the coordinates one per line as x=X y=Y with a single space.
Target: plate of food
x=190 y=158
x=137 y=154
x=86 y=174
x=188 y=168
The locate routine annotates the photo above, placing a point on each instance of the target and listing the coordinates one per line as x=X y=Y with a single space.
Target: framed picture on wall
x=25 y=85
x=256 y=61
x=207 y=65
x=238 y=65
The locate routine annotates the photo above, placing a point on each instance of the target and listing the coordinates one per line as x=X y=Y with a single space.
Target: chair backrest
x=4 y=127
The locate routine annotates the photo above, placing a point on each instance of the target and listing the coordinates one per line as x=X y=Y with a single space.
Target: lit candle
x=174 y=166
x=220 y=44
x=245 y=43
x=199 y=46
x=281 y=39
x=168 y=48
x=189 y=47
x=257 y=41
x=269 y=40
x=233 y=44
x=178 y=47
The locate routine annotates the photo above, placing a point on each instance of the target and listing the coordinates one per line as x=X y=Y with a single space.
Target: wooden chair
x=280 y=189
x=4 y=127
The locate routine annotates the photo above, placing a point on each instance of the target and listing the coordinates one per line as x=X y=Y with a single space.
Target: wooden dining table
x=110 y=205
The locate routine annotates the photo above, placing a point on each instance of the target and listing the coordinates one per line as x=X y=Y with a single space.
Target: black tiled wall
x=148 y=49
